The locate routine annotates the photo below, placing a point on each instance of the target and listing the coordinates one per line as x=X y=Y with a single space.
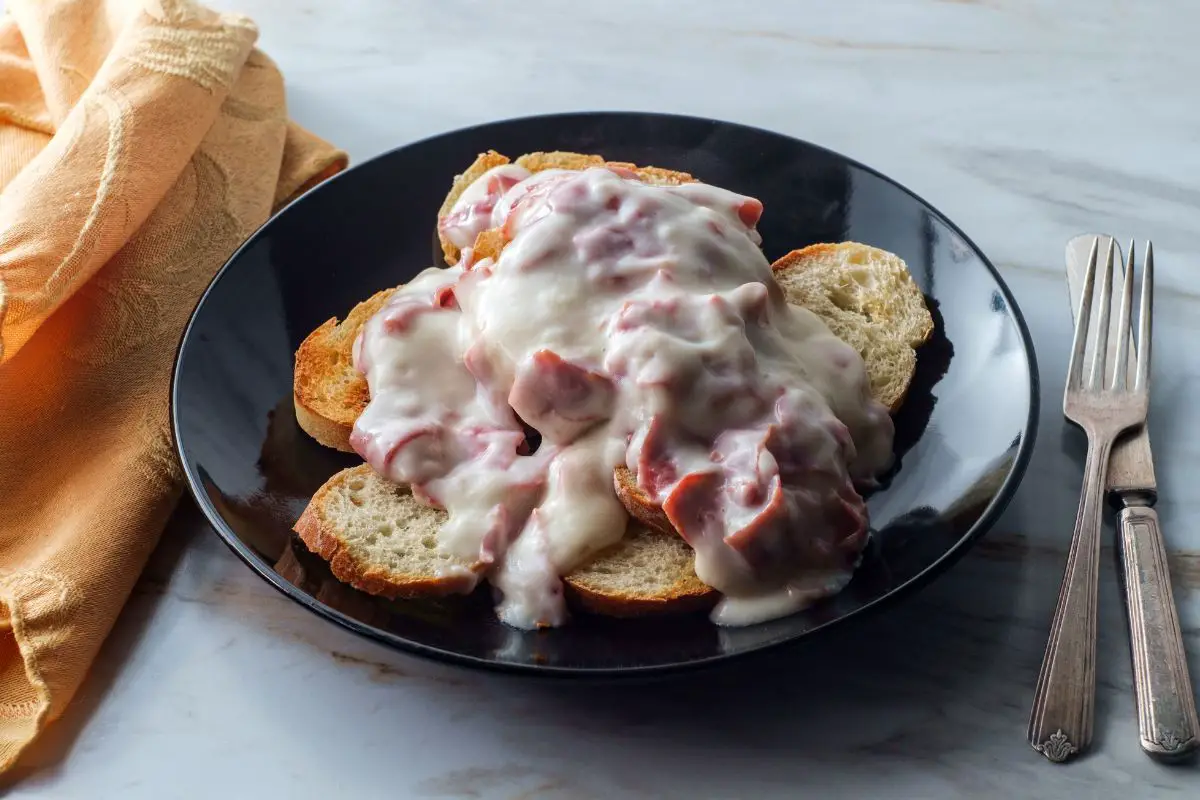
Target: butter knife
x=1167 y=722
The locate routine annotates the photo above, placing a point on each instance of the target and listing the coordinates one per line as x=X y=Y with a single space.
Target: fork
x=1064 y=702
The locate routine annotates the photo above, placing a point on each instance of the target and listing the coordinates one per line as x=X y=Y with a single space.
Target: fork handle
x=1167 y=722
x=1064 y=703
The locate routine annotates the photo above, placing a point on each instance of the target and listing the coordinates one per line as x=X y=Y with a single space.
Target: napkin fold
x=140 y=142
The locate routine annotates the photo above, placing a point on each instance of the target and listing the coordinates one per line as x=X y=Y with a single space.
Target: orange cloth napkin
x=140 y=142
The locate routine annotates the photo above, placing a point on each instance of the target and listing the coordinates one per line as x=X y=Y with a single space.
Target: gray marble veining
x=1026 y=122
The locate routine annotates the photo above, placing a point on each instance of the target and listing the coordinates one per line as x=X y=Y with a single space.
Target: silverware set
x=1107 y=396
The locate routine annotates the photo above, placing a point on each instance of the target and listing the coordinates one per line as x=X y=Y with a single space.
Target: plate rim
x=987 y=519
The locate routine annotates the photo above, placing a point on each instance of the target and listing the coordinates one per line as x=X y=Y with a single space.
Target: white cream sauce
x=626 y=324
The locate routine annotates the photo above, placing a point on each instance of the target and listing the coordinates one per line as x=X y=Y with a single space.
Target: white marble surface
x=1026 y=121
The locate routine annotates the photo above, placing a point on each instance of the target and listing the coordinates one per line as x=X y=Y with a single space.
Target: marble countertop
x=1027 y=122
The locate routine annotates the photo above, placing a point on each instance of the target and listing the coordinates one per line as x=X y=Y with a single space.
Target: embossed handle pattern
x=1064 y=703
x=1166 y=706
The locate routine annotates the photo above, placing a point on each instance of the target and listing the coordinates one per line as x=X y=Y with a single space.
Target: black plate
x=964 y=434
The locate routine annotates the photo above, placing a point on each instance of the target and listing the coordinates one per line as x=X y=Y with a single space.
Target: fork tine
x=1079 y=343
x=1100 y=356
x=1120 y=378
x=1144 y=321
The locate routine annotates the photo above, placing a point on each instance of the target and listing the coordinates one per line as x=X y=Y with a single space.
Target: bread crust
x=682 y=598
x=687 y=594
x=329 y=394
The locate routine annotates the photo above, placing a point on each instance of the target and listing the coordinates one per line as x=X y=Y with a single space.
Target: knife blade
x=1131 y=466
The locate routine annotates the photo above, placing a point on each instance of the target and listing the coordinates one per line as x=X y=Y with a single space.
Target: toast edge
x=324 y=542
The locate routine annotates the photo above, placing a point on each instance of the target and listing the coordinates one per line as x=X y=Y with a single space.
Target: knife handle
x=1167 y=721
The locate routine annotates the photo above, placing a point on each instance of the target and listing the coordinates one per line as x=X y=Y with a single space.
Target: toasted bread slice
x=868 y=299
x=378 y=538
x=381 y=540
x=647 y=572
x=539 y=162
x=329 y=393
